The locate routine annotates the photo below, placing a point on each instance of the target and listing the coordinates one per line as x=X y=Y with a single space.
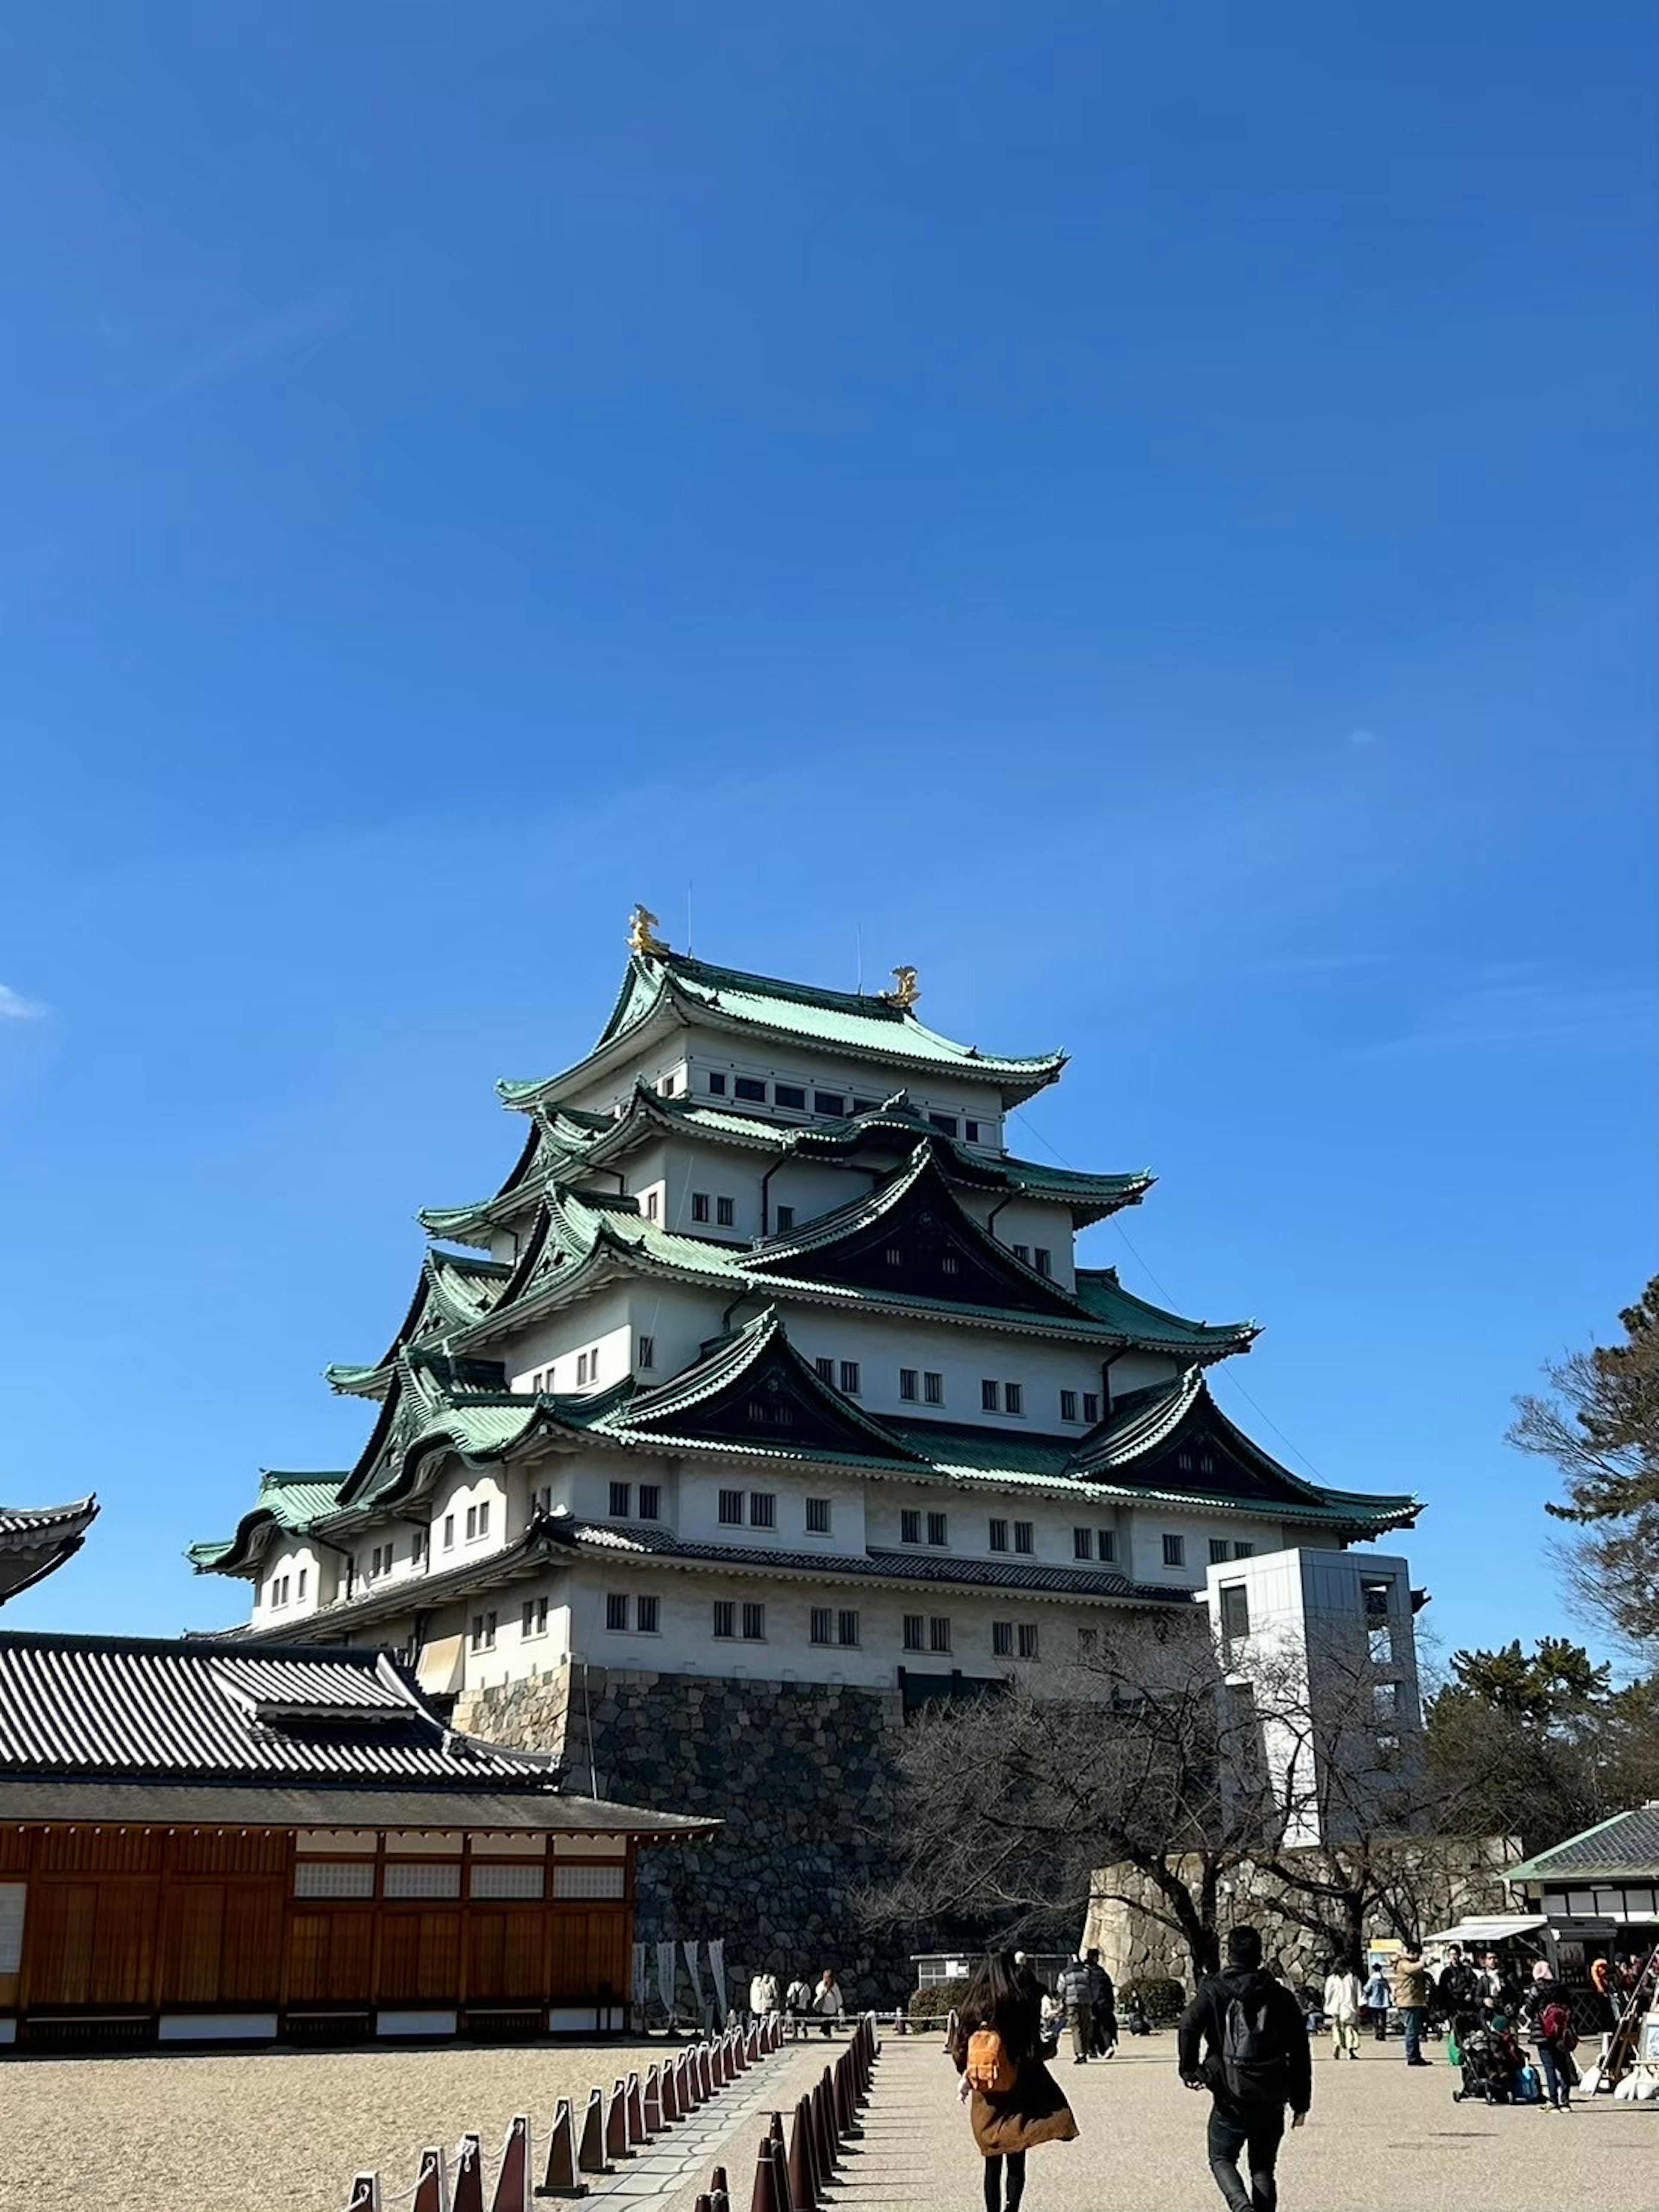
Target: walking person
x=1103 y=2009
x=1376 y=1995
x=826 y=2001
x=798 y=2003
x=1409 y=1987
x=762 y=1994
x=1341 y=2006
x=1073 y=1990
x=1547 y=2022
x=1015 y=2104
x=1244 y=2040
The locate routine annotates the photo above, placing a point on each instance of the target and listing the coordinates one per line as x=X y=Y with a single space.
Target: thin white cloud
x=303 y=319
x=1523 y=1013
x=15 y=1008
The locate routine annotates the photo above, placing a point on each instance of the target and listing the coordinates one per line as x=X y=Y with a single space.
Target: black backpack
x=1254 y=2058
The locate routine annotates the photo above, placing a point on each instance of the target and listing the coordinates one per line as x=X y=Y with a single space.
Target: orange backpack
x=989 y=2068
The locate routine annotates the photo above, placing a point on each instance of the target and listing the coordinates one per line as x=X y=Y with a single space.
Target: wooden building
x=205 y=1843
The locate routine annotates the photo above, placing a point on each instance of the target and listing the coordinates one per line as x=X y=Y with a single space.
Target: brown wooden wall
x=151 y=1919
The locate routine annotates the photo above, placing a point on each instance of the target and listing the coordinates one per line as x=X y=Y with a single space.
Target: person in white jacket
x=762 y=1994
x=1342 y=2002
x=826 y=2001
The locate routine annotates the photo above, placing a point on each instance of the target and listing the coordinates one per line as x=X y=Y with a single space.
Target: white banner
x=717 y=1975
x=638 y=1981
x=665 y=1976
x=690 y=1950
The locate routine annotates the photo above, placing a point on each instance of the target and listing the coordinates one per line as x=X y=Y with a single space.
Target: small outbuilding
x=204 y=1843
x=1599 y=1890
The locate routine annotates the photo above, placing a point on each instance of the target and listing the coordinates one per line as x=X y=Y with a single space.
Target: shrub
x=1164 y=2000
x=937 y=2000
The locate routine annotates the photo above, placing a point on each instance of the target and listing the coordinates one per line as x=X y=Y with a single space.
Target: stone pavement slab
x=1380 y=2138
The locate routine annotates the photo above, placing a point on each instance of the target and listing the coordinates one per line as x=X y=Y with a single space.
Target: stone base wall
x=802 y=1774
x=1445 y=1879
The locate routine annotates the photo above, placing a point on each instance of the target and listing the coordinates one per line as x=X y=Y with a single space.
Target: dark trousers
x=1260 y=2133
x=1556 y=2090
x=994 y=2200
x=1411 y=2019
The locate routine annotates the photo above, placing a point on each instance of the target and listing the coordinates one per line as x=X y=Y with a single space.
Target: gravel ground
x=270 y=2131
x=285 y=2132
x=1379 y=2139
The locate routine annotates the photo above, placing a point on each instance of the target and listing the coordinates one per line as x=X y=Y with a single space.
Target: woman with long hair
x=1014 y=2101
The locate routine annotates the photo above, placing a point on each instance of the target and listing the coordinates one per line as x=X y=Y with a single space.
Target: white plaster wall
x=1150 y=1524
x=1036 y=1223
x=293 y=1555
x=699 y=1520
x=457 y=1488
x=601 y=1323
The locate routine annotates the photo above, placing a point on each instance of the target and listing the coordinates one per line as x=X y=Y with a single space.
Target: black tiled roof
x=286 y=1805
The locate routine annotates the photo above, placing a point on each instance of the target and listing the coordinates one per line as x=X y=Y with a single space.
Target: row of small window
x=624 y=1506
x=927 y=1387
x=587 y=1368
x=282 y=1587
x=793 y=1098
x=1174 y=1551
x=725 y=1209
x=442 y=1878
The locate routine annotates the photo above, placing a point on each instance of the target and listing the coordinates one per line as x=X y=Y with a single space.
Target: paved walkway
x=1380 y=2139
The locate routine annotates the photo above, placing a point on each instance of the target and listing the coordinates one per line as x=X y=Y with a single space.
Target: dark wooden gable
x=1208 y=1457
x=771 y=1401
x=921 y=1245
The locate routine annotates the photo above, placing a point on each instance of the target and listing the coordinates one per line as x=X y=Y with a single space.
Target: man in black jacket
x=1243 y=2038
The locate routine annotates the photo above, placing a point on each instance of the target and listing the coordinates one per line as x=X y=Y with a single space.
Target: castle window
x=908 y=1382
x=1234 y=1610
x=849 y=1377
x=939 y=1633
x=299 y=1585
x=786 y=1219
x=700 y=1205
x=823 y=1621
x=621 y=1501
x=829 y=1101
x=650 y=1501
x=939 y=1529
x=933 y=1387
x=725 y=1212
x=1218 y=1550
x=714 y=1083
x=847 y=1626
x=910 y=1525
x=1082 y=1543
x=999 y=1529
x=747 y=1087
x=970 y=1130
x=949 y=1264
x=279 y=1590
x=1014 y=1397
x=754 y=1624
x=1024 y=1537
x=731 y=1508
x=532 y=1617
x=817 y=1516
x=894 y=1255
x=1243 y=1550
x=1044 y=1260
x=826 y=1370
x=581 y=1369
x=648 y=1615
x=651 y=1204
x=763 y=1509
x=790 y=1095
x=915 y=1632
x=1174 y=1551
x=648 y=1352
x=990 y=1397
x=1027 y=1639
x=1022 y=1252
x=449 y=1532
x=419 y=1544
x=1068 y=1405
x=945 y=1121
x=1002 y=1640
x=483 y=1632
x=1107 y=1539
x=725 y=1618
x=1092 y=1407
x=471 y=1523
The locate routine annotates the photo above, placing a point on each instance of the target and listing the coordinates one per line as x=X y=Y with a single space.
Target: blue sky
x=1146 y=513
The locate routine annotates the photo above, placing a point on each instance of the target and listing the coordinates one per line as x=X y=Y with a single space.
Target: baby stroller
x=1490 y=2060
